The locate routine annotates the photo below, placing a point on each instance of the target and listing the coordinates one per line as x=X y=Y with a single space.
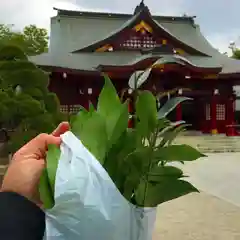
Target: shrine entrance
x=191 y=114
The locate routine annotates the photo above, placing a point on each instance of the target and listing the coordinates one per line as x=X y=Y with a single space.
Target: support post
x=214 y=115
x=179 y=107
x=230 y=130
x=179 y=112
x=130 y=114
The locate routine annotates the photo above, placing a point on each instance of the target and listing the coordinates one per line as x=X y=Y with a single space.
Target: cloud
x=222 y=40
x=219 y=21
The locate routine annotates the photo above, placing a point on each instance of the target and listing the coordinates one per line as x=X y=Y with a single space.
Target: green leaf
x=135 y=166
x=46 y=195
x=165 y=191
x=117 y=123
x=169 y=133
x=108 y=99
x=47 y=180
x=177 y=153
x=146 y=111
x=113 y=112
x=170 y=105
x=77 y=120
x=159 y=173
x=170 y=128
x=53 y=156
x=138 y=78
x=114 y=163
x=173 y=134
x=90 y=128
x=91 y=107
x=131 y=182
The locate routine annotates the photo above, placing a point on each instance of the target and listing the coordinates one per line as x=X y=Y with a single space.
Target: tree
x=32 y=40
x=236 y=54
x=26 y=105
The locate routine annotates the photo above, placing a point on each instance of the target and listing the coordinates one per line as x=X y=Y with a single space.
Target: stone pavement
x=217 y=175
x=197 y=217
x=212 y=214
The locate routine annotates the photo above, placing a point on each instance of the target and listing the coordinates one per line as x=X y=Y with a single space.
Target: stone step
x=211 y=144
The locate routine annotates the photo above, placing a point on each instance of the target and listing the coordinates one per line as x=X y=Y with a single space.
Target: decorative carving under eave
x=179 y=51
x=105 y=48
x=159 y=66
x=211 y=76
x=164 y=42
x=143 y=26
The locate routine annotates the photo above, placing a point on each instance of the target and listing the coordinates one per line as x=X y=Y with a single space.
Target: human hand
x=24 y=172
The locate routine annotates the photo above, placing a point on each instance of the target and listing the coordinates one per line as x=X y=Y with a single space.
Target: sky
x=219 y=19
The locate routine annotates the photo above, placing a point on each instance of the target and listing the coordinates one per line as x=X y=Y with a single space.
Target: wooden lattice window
x=70 y=108
x=74 y=108
x=64 y=108
x=208 y=112
x=139 y=41
x=221 y=112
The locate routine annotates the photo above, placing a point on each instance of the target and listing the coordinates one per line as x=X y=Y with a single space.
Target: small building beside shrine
x=85 y=44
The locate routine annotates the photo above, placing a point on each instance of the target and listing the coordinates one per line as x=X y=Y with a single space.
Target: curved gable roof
x=145 y=15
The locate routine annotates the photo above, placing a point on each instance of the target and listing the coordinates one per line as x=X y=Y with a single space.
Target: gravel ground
x=198 y=217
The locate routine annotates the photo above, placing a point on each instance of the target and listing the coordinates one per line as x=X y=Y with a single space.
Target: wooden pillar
x=214 y=115
x=179 y=112
x=179 y=107
x=231 y=109
x=130 y=114
x=230 y=129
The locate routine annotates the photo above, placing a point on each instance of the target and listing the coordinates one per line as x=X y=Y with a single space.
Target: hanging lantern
x=90 y=91
x=216 y=91
x=64 y=75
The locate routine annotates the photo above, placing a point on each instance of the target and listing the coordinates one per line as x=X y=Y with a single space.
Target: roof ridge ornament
x=141 y=7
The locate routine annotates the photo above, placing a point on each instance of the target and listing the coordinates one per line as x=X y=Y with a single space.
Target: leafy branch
x=137 y=160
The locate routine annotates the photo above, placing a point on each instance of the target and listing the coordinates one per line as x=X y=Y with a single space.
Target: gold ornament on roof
x=143 y=26
x=105 y=48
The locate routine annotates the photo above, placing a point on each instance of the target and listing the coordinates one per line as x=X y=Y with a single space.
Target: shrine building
x=85 y=44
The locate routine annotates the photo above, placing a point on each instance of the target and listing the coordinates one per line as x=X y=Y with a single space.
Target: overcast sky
x=219 y=19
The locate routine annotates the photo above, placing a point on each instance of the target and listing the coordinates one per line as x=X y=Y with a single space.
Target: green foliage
x=146 y=112
x=111 y=108
x=166 y=190
x=177 y=153
x=32 y=40
x=45 y=191
x=47 y=180
x=11 y=53
x=52 y=103
x=136 y=159
x=20 y=137
x=93 y=133
x=25 y=103
x=138 y=78
x=170 y=105
x=236 y=54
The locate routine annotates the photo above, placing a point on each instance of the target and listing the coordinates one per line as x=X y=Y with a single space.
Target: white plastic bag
x=88 y=206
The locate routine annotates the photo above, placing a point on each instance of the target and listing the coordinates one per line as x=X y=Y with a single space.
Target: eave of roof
x=72 y=13
x=95 y=61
